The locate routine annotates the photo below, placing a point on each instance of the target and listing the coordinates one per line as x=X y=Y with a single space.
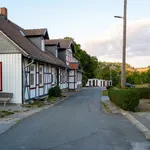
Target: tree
x=88 y=63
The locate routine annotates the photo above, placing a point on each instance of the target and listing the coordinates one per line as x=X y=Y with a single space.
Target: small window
x=49 y=75
x=32 y=75
x=42 y=45
x=41 y=72
x=32 y=67
x=56 y=53
x=52 y=78
x=64 y=76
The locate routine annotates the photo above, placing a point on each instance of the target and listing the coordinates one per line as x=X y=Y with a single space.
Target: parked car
x=130 y=85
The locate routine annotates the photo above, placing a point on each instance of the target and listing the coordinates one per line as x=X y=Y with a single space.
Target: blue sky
x=84 y=20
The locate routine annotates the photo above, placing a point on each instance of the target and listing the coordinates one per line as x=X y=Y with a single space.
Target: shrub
x=127 y=99
x=108 y=87
x=55 y=91
x=144 y=93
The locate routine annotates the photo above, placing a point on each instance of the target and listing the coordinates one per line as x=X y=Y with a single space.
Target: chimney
x=3 y=12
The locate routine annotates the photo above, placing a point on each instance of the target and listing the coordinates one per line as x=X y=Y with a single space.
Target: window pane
x=31 y=79
x=52 y=78
x=40 y=79
x=32 y=68
x=41 y=69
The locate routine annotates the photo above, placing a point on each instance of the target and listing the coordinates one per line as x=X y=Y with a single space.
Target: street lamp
x=120 y=17
x=123 y=71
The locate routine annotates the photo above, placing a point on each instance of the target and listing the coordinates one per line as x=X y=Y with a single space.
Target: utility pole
x=123 y=72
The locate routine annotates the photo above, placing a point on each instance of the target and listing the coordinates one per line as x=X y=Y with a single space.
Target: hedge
x=127 y=99
x=55 y=91
x=144 y=93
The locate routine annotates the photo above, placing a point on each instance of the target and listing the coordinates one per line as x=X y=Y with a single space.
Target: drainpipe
x=26 y=77
x=29 y=64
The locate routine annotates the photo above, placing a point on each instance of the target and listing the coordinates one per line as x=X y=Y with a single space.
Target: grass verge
x=142 y=85
x=106 y=107
x=5 y=113
x=35 y=104
x=105 y=93
x=50 y=99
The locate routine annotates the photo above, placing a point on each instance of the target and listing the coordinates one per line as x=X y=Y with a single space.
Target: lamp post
x=123 y=70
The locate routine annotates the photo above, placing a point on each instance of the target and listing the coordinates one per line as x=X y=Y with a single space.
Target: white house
x=28 y=68
x=98 y=83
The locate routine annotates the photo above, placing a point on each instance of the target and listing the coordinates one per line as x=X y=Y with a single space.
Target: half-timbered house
x=64 y=49
x=27 y=67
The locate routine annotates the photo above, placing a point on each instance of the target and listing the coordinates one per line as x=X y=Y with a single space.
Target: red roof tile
x=74 y=65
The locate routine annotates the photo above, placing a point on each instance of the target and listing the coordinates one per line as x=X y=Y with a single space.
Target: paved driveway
x=78 y=123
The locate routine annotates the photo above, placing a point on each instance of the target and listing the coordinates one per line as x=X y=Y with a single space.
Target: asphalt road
x=77 y=123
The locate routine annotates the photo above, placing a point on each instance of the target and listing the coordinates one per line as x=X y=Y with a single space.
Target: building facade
x=29 y=66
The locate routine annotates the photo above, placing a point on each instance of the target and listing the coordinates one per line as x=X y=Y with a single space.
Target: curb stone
x=142 y=128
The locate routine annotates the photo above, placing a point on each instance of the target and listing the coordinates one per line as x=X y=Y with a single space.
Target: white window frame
x=34 y=76
x=41 y=73
x=56 y=52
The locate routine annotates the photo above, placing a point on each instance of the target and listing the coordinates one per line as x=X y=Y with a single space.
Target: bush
x=144 y=93
x=55 y=91
x=108 y=87
x=127 y=99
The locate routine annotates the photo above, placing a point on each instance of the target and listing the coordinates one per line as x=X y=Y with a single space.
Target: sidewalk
x=140 y=120
x=23 y=112
x=143 y=117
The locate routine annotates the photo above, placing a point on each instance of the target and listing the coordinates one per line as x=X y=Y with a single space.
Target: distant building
x=98 y=83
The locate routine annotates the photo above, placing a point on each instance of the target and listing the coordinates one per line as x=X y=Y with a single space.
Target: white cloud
x=108 y=47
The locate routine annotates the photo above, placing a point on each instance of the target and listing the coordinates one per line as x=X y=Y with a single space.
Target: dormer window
x=42 y=44
x=37 y=36
x=52 y=46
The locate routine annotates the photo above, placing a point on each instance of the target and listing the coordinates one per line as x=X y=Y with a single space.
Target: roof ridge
x=13 y=32
x=37 y=29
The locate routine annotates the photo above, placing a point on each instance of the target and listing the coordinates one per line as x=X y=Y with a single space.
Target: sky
x=91 y=24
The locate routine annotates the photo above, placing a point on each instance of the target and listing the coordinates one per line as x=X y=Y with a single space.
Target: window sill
x=32 y=88
x=41 y=86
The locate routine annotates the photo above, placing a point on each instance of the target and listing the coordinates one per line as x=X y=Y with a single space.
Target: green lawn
x=142 y=85
x=105 y=93
x=35 y=104
x=51 y=98
x=4 y=113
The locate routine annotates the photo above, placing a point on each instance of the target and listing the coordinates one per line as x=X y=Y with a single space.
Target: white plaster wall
x=12 y=75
